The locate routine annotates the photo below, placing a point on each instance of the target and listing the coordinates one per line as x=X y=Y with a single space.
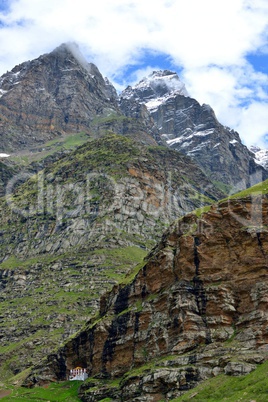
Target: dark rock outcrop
x=6 y=174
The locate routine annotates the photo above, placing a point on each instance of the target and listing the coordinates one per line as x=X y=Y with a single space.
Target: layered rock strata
x=197 y=308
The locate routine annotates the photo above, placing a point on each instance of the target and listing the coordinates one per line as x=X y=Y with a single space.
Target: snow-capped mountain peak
x=163 y=81
x=156 y=88
x=261 y=156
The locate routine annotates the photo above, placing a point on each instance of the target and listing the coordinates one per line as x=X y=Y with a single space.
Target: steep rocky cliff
x=70 y=231
x=194 y=130
x=195 y=309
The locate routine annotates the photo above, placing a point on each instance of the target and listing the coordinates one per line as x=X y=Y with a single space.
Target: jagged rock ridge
x=156 y=88
x=57 y=94
x=194 y=129
x=54 y=94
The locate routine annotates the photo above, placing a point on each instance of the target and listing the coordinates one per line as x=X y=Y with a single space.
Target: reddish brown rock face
x=201 y=297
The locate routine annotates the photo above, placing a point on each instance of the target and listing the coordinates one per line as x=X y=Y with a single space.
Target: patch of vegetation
x=59 y=144
x=13 y=262
x=124 y=255
x=131 y=274
x=225 y=188
x=112 y=118
x=256 y=190
x=68 y=142
x=199 y=211
x=55 y=392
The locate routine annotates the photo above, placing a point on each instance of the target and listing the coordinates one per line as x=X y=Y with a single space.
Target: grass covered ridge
x=257 y=189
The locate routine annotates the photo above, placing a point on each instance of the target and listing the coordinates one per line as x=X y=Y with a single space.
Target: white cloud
x=253 y=123
x=208 y=39
x=238 y=94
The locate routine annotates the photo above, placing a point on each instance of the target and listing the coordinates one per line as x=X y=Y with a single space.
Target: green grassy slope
x=249 y=388
x=63 y=392
x=260 y=188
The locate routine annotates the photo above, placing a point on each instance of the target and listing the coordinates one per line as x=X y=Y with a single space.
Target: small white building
x=78 y=374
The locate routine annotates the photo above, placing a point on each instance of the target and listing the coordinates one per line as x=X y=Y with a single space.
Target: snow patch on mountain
x=261 y=156
x=163 y=80
x=2 y=92
x=153 y=104
x=193 y=134
x=16 y=74
x=198 y=148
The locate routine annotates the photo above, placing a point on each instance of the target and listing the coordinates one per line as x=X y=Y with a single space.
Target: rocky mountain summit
x=57 y=94
x=46 y=97
x=193 y=129
x=195 y=309
x=156 y=88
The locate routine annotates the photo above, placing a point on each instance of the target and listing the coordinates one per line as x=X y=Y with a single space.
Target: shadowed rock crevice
x=264 y=252
x=117 y=330
x=121 y=302
x=199 y=291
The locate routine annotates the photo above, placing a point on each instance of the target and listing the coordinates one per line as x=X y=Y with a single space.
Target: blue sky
x=259 y=61
x=219 y=49
x=4 y=5
x=147 y=58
